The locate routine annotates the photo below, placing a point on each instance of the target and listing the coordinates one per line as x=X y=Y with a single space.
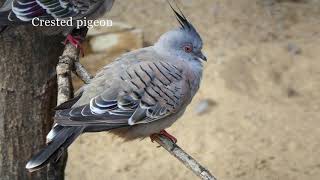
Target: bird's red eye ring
x=187 y=48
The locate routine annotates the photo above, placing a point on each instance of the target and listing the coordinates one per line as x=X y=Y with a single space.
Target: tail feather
x=63 y=137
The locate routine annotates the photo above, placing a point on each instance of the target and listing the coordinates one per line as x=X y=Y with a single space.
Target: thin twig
x=184 y=158
x=82 y=73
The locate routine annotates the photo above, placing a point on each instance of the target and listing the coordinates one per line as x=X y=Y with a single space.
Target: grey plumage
x=140 y=93
x=23 y=11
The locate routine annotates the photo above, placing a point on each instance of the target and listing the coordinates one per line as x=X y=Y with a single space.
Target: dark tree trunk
x=27 y=96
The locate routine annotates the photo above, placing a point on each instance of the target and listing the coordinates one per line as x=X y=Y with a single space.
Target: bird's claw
x=165 y=134
x=75 y=41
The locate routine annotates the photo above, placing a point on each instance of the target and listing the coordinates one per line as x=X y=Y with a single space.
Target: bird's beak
x=201 y=56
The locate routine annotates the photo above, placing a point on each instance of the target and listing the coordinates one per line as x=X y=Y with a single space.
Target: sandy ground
x=263 y=75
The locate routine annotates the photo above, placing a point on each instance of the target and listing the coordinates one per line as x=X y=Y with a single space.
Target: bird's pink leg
x=165 y=134
x=75 y=41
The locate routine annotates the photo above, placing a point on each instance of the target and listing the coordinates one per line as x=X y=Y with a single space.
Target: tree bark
x=27 y=95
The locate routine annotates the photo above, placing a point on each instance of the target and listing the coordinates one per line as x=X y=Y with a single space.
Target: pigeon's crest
x=181 y=18
x=183 y=21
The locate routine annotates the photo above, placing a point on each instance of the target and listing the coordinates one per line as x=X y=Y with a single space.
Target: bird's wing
x=26 y=10
x=146 y=91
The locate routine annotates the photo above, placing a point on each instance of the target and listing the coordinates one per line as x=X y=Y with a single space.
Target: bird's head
x=183 y=42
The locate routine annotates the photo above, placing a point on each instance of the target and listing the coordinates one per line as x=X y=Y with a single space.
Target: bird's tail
x=60 y=137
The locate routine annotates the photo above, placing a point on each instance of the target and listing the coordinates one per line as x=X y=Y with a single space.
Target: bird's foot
x=75 y=41
x=165 y=134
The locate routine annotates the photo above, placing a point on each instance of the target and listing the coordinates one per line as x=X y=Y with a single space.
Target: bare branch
x=184 y=158
x=64 y=73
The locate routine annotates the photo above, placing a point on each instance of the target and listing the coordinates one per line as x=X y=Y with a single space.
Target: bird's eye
x=187 y=48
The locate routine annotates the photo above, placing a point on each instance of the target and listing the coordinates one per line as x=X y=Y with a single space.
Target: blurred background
x=256 y=115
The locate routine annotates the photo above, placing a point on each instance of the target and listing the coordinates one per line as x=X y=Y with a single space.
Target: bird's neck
x=195 y=68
